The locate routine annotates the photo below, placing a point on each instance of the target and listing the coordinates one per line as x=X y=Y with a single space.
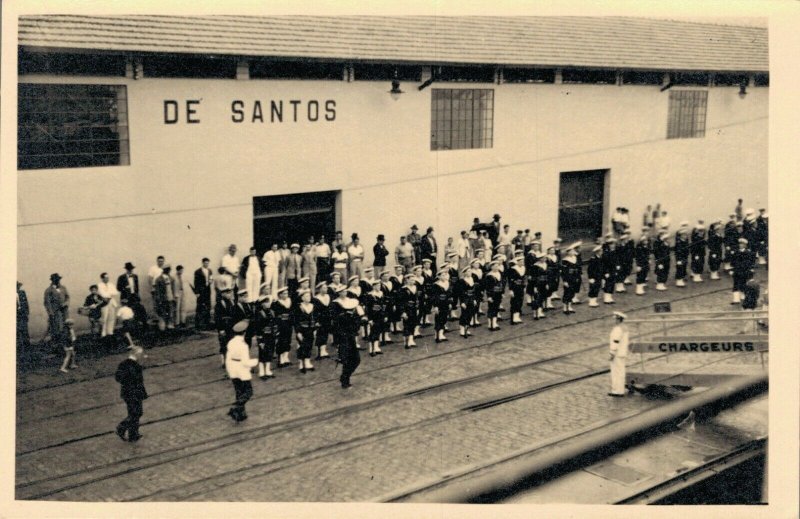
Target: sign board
x=701 y=346
x=661 y=307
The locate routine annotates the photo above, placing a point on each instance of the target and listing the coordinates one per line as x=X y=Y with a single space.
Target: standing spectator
x=322 y=253
x=224 y=319
x=108 y=316
x=517 y=241
x=474 y=235
x=494 y=231
x=618 y=353
x=238 y=365
x=23 y=312
x=310 y=265
x=92 y=308
x=624 y=219
x=202 y=289
x=404 y=255
x=487 y=245
x=273 y=265
x=284 y=252
x=663 y=222
x=232 y=265
x=355 y=254
x=379 y=252
x=463 y=251
x=647 y=220
x=338 y=240
x=252 y=268
x=730 y=239
x=450 y=248
x=128 y=288
x=56 y=303
x=292 y=266
x=179 y=317
x=152 y=275
x=131 y=380
x=415 y=240
x=738 y=210
x=339 y=259
x=164 y=298
x=67 y=341
x=526 y=242
x=743 y=263
x=762 y=236
x=428 y=248
x=504 y=242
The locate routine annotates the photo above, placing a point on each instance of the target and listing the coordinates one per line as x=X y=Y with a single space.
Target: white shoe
x=762 y=260
x=640 y=289
x=661 y=286
x=268 y=369
x=619 y=288
x=593 y=302
x=260 y=369
x=307 y=364
x=737 y=297
x=411 y=341
x=323 y=351
x=680 y=283
x=714 y=275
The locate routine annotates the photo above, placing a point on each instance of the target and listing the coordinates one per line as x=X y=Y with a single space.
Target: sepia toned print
x=439 y=259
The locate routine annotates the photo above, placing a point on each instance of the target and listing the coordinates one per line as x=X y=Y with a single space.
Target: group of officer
x=377 y=305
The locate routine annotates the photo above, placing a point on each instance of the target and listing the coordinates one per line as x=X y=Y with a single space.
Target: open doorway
x=293 y=218
x=581 y=204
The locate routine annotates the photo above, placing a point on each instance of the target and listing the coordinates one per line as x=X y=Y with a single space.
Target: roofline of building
x=344 y=61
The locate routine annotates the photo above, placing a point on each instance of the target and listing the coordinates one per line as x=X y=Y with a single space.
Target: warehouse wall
x=188 y=191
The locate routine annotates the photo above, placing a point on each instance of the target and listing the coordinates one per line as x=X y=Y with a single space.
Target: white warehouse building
x=148 y=135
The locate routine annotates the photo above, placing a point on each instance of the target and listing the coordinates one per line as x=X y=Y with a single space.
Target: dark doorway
x=293 y=218
x=580 y=204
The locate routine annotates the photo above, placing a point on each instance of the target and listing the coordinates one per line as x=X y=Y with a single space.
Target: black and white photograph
x=444 y=258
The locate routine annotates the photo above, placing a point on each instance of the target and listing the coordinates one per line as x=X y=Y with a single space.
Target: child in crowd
x=67 y=341
x=91 y=309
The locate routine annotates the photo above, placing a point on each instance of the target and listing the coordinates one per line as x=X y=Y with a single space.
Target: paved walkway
x=298 y=444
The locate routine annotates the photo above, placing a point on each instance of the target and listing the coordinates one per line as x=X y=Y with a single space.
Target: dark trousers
x=466 y=315
x=266 y=348
x=410 y=323
x=494 y=305
x=131 y=422
x=662 y=273
x=292 y=285
x=349 y=357
x=440 y=319
x=284 y=338
x=739 y=281
x=23 y=337
x=567 y=296
x=202 y=316
x=517 y=298
x=641 y=276
x=680 y=269
x=305 y=346
x=594 y=288
x=243 y=390
x=323 y=269
x=376 y=329
x=608 y=284
x=714 y=261
x=698 y=262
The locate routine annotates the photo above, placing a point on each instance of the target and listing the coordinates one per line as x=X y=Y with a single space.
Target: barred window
x=461 y=118
x=72 y=126
x=687 y=114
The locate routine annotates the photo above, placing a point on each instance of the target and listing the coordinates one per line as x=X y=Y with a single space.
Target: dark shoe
x=378 y=353
x=444 y=340
x=346 y=385
x=121 y=433
x=136 y=438
x=372 y=354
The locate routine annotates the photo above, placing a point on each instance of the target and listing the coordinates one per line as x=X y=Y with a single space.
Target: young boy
x=67 y=340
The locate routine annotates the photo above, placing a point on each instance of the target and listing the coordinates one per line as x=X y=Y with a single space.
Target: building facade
x=179 y=142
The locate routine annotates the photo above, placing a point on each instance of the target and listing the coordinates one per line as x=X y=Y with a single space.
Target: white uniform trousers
x=108 y=318
x=618 y=375
x=252 y=284
x=271 y=280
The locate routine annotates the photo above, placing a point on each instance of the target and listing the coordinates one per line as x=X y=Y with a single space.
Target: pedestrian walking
x=464 y=295
x=282 y=308
x=238 y=365
x=224 y=320
x=570 y=275
x=661 y=255
x=642 y=258
x=305 y=325
x=516 y=282
x=375 y=308
x=130 y=376
x=618 y=353
x=697 y=250
x=743 y=263
x=596 y=275
x=715 y=248
x=408 y=304
x=347 y=315
x=441 y=300
x=610 y=267
x=322 y=303
x=493 y=285
x=67 y=341
x=266 y=331
x=682 y=253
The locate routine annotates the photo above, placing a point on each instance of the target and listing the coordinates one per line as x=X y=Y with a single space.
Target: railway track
x=61 y=483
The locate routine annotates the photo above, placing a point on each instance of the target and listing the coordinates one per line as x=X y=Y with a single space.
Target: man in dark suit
x=131 y=381
x=23 y=311
x=494 y=229
x=428 y=249
x=128 y=287
x=203 y=279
